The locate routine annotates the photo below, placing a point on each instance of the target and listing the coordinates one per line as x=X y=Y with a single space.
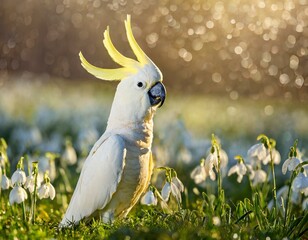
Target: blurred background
x=235 y=48
x=235 y=68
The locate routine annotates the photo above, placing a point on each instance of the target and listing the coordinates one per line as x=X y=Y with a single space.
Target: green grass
x=58 y=110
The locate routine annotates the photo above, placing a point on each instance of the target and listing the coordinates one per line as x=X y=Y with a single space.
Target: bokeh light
x=253 y=48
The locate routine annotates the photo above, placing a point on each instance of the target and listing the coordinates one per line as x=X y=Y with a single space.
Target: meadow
x=200 y=137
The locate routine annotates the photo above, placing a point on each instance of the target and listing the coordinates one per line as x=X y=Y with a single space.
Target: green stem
x=288 y=200
x=274 y=181
x=24 y=211
x=33 y=205
x=219 y=181
x=250 y=182
x=219 y=174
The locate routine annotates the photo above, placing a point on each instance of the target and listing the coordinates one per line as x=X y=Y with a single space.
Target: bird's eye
x=140 y=84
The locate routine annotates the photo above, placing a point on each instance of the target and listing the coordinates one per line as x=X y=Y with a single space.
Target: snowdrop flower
x=223 y=158
x=175 y=187
x=69 y=156
x=5 y=182
x=18 y=177
x=178 y=183
x=276 y=157
x=290 y=164
x=149 y=199
x=258 y=177
x=240 y=169
x=165 y=192
x=210 y=162
x=198 y=174
x=250 y=170
x=17 y=195
x=30 y=182
x=175 y=191
x=212 y=158
x=300 y=182
x=257 y=151
x=46 y=190
x=205 y=169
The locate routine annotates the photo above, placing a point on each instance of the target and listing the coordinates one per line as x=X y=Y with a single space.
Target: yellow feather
x=141 y=56
x=115 y=54
x=106 y=74
x=129 y=66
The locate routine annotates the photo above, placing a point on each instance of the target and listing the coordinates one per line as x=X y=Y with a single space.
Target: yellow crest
x=129 y=66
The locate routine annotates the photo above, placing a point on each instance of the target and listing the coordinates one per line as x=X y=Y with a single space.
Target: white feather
x=100 y=176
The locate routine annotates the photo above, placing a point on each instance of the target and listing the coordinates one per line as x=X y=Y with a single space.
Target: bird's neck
x=132 y=128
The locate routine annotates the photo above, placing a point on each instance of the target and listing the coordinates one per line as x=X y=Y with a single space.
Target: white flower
x=176 y=192
x=149 y=199
x=206 y=167
x=69 y=156
x=257 y=151
x=300 y=182
x=240 y=169
x=165 y=192
x=198 y=174
x=276 y=157
x=18 y=177
x=223 y=158
x=209 y=164
x=5 y=182
x=212 y=161
x=17 y=195
x=290 y=164
x=175 y=187
x=178 y=183
x=251 y=171
x=30 y=182
x=259 y=177
x=46 y=190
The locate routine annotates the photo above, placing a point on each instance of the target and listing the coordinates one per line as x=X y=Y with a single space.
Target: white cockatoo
x=119 y=167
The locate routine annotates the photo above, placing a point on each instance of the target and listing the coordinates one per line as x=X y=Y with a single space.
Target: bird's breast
x=137 y=169
x=134 y=180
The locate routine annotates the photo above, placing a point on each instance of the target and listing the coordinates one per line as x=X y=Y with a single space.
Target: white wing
x=98 y=180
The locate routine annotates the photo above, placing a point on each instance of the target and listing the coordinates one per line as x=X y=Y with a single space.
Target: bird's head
x=140 y=91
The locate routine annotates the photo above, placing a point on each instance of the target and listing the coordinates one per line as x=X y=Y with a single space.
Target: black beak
x=157 y=94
